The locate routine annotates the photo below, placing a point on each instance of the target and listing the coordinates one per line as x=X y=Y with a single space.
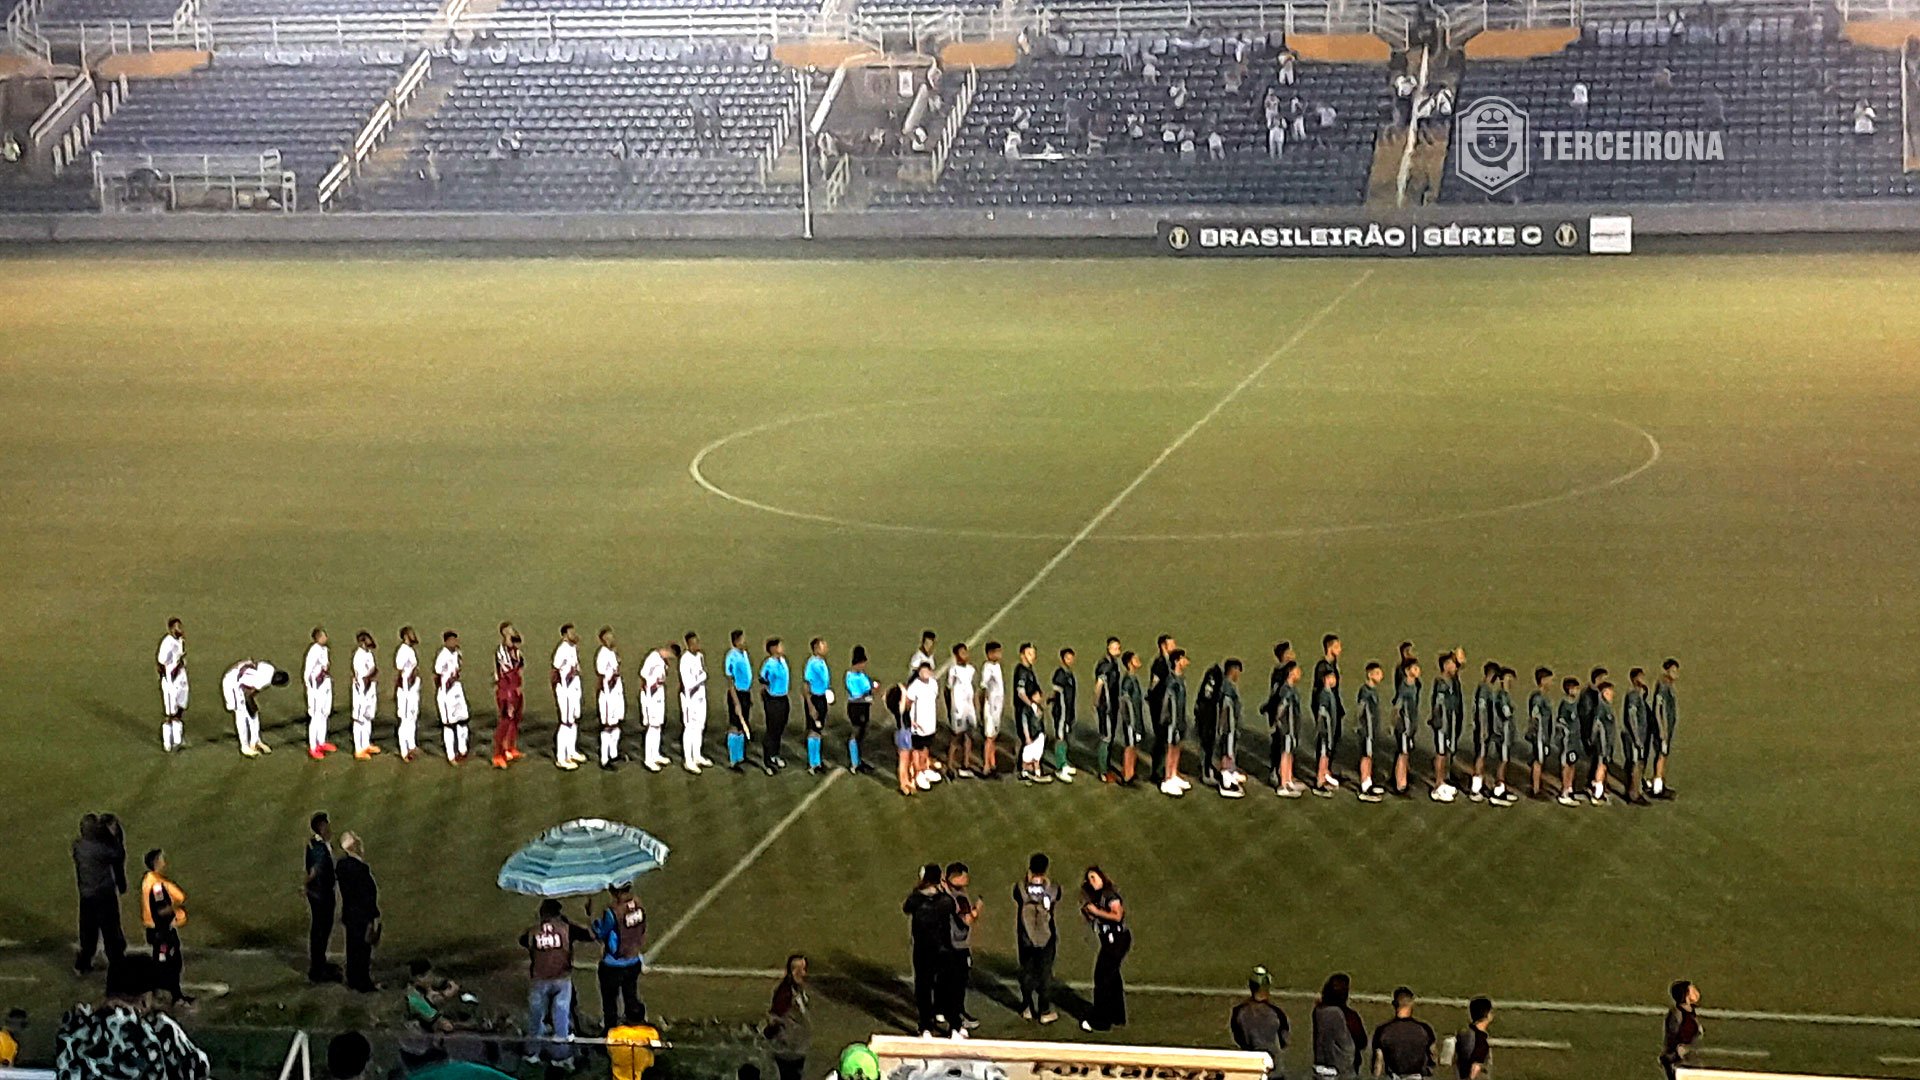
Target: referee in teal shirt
x=819 y=686
x=774 y=678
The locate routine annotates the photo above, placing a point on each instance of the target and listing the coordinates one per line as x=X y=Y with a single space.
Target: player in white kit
x=366 y=696
x=993 y=707
x=318 y=679
x=450 y=698
x=566 y=698
x=612 y=698
x=693 y=705
x=239 y=687
x=653 y=702
x=171 y=664
x=406 y=693
x=963 y=712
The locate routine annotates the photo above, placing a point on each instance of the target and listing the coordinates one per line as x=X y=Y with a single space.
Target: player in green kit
x=1566 y=736
x=1440 y=719
x=1660 y=731
x=1500 y=738
x=1636 y=715
x=1132 y=724
x=1366 y=705
x=1106 y=706
x=1065 y=689
x=1482 y=728
x=1406 y=718
x=1540 y=728
x=1226 y=732
x=1603 y=739
x=1175 y=712
x=1283 y=721
x=1326 y=720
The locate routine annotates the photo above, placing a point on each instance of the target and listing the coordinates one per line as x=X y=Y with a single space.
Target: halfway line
x=753 y=854
x=1073 y=543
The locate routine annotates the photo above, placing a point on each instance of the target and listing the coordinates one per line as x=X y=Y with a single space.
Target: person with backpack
x=1034 y=900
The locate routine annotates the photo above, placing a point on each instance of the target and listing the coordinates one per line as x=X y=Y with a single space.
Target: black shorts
x=922 y=742
x=739 y=709
x=1443 y=739
x=816 y=713
x=1633 y=744
x=859 y=714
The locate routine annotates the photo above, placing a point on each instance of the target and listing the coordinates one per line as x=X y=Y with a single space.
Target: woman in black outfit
x=1107 y=913
x=929 y=911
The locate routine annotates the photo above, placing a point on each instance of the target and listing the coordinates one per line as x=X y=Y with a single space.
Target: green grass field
x=1547 y=462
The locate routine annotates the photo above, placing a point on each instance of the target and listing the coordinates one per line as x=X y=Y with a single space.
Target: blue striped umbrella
x=580 y=858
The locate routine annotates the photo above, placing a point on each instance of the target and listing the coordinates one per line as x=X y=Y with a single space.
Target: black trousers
x=776 y=728
x=1109 y=990
x=100 y=924
x=319 y=934
x=617 y=985
x=926 y=986
x=1036 y=976
x=359 y=954
x=790 y=1068
x=956 y=969
x=1160 y=734
x=166 y=956
x=1209 y=761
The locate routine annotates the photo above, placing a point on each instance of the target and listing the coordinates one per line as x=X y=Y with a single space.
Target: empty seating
x=59 y=12
x=307 y=111
x=1781 y=96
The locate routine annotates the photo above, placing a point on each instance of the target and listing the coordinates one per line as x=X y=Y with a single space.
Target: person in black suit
x=359 y=912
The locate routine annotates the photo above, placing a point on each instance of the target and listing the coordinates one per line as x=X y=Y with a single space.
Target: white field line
x=1741 y=1052
x=1521 y=1005
x=753 y=854
x=1529 y=1044
x=1073 y=544
x=1897 y=1059
x=1100 y=518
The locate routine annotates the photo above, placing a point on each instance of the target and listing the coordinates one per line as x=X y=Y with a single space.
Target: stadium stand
x=1782 y=93
x=139 y=11
x=245 y=104
x=599 y=126
x=1091 y=83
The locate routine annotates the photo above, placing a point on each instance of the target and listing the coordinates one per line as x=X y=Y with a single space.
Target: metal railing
x=1461 y=21
x=65 y=100
x=950 y=128
x=839 y=177
x=23 y=29
x=1389 y=20
x=783 y=125
x=203 y=174
x=375 y=130
x=80 y=135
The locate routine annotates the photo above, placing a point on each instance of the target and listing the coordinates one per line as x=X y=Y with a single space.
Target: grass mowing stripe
x=1100 y=517
x=1595 y=1007
x=753 y=854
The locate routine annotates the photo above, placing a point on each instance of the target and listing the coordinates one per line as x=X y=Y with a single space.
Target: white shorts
x=653 y=709
x=365 y=703
x=173 y=696
x=568 y=701
x=693 y=707
x=452 y=705
x=320 y=699
x=962 y=719
x=406 y=703
x=992 y=723
x=1031 y=753
x=613 y=709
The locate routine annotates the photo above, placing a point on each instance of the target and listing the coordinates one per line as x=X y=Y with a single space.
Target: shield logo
x=1490 y=144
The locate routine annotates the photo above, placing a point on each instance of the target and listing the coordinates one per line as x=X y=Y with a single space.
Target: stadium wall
x=1889 y=218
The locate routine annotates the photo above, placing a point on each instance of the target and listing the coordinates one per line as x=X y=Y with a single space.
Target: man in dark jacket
x=929 y=909
x=320 y=890
x=359 y=913
x=99 y=871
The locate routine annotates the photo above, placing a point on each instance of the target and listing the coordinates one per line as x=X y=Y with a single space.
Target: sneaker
x=1601 y=799
x=966 y=774
x=1042 y=778
x=375 y=750
x=263 y=747
x=1322 y=791
x=1566 y=800
x=863 y=768
x=1184 y=783
x=1049 y=1016
x=969 y=1022
x=1639 y=800
x=531 y=1059
x=1663 y=795
x=512 y=755
x=1333 y=781
x=1065 y=775
x=363 y=755
x=317 y=754
x=499 y=761
x=1289 y=791
x=248 y=751
x=922 y=783
x=1232 y=793
x=1168 y=787
x=1026 y=1014
x=1502 y=799
x=1371 y=795
x=960 y=1033
x=693 y=768
x=568 y=765
x=327 y=747
x=1444 y=793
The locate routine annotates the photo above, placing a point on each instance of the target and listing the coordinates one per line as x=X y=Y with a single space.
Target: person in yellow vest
x=631 y=1047
x=163 y=912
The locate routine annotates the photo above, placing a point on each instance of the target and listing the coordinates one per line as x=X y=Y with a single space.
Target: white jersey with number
x=613 y=693
x=653 y=689
x=693 y=687
x=317 y=676
x=961 y=704
x=449 y=696
x=365 y=692
x=993 y=694
x=920 y=657
x=566 y=690
x=406 y=694
x=172 y=658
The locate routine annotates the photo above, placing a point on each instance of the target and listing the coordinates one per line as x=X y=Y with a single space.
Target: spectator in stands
x=1297 y=120
x=126 y=1036
x=1236 y=77
x=1403 y=87
x=1285 y=75
x=1683 y=1027
x=10 y=149
x=1580 y=103
x=1149 y=72
x=1327 y=116
x=1012 y=144
x=1241 y=51
x=1403 y=1046
x=1663 y=78
x=1216 y=146
x=1276 y=139
x=1272 y=106
x=1863 y=118
x=1136 y=126
x=15 y=1027
x=1713 y=109
x=1177 y=93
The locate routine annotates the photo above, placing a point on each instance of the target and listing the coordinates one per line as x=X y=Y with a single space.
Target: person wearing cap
x=1403 y=1046
x=1259 y=1025
x=622 y=932
x=858 y=1062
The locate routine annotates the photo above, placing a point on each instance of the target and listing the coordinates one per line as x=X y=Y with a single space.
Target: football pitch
x=1566 y=462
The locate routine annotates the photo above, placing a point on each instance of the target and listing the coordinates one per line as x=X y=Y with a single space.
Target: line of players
x=1578 y=724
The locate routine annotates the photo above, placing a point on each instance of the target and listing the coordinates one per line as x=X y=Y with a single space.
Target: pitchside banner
x=1590 y=236
x=906 y=1058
